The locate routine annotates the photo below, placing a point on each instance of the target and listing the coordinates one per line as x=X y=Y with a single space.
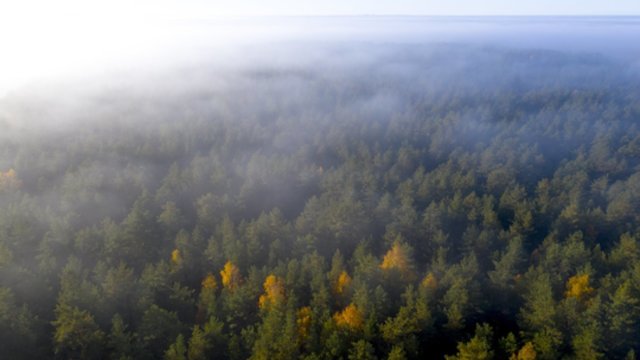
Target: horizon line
x=421 y=15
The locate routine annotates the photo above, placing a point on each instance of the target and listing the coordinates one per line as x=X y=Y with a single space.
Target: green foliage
x=362 y=350
x=158 y=328
x=276 y=336
x=375 y=215
x=76 y=334
x=121 y=342
x=479 y=347
x=177 y=350
x=17 y=328
x=397 y=353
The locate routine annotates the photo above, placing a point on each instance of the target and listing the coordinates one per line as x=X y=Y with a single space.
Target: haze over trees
x=348 y=199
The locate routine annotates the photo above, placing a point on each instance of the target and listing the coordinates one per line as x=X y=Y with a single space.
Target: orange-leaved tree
x=578 y=287
x=527 y=352
x=429 y=282
x=350 y=318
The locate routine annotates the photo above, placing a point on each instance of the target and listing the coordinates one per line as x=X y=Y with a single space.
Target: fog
x=89 y=50
x=304 y=74
x=196 y=56
x=484 y=152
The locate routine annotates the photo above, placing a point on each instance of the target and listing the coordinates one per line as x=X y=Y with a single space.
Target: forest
x=370 y=201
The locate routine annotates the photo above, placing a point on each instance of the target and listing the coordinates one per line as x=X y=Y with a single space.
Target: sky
x=422 y=7
x=42 y=37
x=117 y=9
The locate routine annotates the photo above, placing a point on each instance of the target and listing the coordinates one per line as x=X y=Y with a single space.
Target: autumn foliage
x=350 y=318
x=273 y=292
x=578 y=287
x=303 y=320
x=230 y=274
x=427 y=201
x=398 y=258
x=527 y=352
x=343 y=282
x=429 y=282
x=209 y=282
x=9 y=180
x=176 y=257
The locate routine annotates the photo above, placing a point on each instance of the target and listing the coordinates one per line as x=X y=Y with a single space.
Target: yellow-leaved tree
x=9 y=180
x=578 y=287
x=230 y=274
x=350 y=318
x=343 y=282
x=273 y=292
x=399 y=259
x=207 y=304
x=209 y=282
x=176 y=257
x=527 y=352
x=429 y=282
x=303 y=320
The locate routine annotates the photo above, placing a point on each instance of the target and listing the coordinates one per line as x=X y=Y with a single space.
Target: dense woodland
x=411 y=201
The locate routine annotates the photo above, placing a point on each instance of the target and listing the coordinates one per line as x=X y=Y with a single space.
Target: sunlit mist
x=51 y=39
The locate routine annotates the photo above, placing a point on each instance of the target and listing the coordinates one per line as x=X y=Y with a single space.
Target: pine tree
x=177 y=350
x=478 y=348
x=76 y=334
